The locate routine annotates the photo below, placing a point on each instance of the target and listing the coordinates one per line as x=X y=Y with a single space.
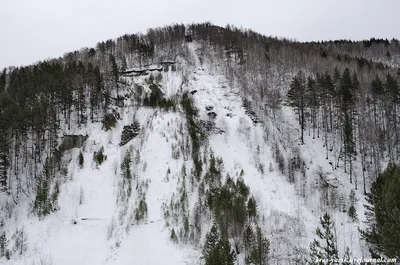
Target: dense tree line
x=363 y=51
x=34 y=100
x=332 y=106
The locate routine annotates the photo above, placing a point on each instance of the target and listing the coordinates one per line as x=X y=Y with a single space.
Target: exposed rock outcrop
x=72 y=141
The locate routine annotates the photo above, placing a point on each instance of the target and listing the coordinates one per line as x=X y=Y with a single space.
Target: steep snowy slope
x=290 y=212
x=95 y=223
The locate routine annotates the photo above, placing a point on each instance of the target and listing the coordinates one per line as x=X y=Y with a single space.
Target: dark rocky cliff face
x=72 y=141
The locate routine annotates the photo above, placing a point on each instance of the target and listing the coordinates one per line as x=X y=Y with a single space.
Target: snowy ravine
x=92 y=227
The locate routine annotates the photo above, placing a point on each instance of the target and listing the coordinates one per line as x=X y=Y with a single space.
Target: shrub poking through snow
x=109 y=121
x=99 y=157
x=80 y=159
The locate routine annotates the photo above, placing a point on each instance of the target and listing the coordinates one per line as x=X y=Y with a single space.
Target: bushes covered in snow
x=109 y=121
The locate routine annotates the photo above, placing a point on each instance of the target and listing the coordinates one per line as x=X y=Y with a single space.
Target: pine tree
x=137 y=157
x=126 y=167
x=114 y=71
x=96 y=92
x=325 y=247
x=329 y=91
x=3 y=244
x=259 y=254
x=54 y=195
x=210 y=244
x=81 y=96
x=383 y=214
x=4 y=156
x=42 y=203
x=21 y=241
x=312 y=98
x=5 y=122
x=248 y=241
x=80 y=159
x=187 y=150
x=123 y=63
x=297 y=99
x=252 y=207
x=240 y=216
x=3 y=80
x=141 y=210
x=352 y=197
x=226 y=255
x=352 y=213
x=173 y=236
x=377 y=89
x=347 y=100
x=342 y=203
x=217 y=251
x=186 y=228
x=393 y=99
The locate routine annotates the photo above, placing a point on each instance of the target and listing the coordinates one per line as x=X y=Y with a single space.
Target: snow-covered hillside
x=96 y=224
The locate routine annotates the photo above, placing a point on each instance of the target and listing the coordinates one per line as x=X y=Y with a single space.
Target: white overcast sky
x=32 y=30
